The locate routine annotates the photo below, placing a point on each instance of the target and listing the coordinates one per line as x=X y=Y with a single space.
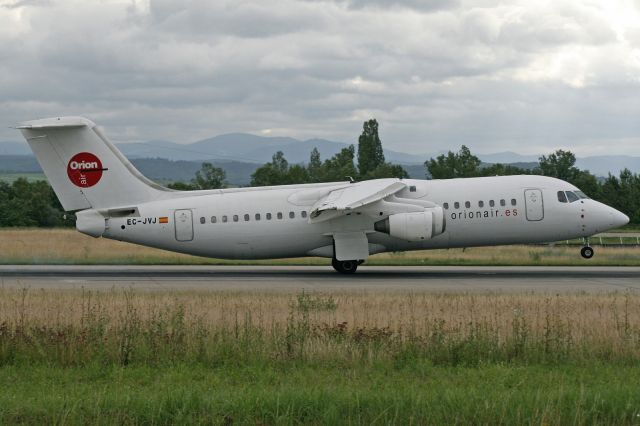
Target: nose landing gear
x=587 y=250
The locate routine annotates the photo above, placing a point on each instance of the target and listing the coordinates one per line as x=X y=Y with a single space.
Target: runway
x=317 y=278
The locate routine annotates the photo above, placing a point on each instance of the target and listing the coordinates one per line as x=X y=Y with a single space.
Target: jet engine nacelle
x=90 y=222
x=416 y=226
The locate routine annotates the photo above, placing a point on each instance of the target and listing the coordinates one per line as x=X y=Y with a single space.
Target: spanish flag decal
x=164 y=219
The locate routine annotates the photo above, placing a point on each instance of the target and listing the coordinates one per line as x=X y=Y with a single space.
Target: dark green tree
x=25 y=203
x=314 y=169
x=209 y=177
x=278 y=172
x=181 y=186
x=499 y=169
x=454 y=165
x=338 y=167
x=559 y=164
x=370 y=153
x=386 y=170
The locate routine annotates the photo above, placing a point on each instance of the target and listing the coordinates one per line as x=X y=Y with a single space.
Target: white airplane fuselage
x=524 y=220
x=341 y=220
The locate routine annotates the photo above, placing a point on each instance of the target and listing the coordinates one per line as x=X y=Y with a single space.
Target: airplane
x=345 y=221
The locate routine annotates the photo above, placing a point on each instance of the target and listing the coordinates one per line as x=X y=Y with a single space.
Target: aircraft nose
x=618 y=218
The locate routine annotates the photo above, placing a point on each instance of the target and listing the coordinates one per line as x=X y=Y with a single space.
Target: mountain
x=246 y=147
x=254 y=149
x=605 y=164
x=507 y=157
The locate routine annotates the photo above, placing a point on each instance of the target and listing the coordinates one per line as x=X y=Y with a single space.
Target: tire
x=586 y=252
x=345 y=266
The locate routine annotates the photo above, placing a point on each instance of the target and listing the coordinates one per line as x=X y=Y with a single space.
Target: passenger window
x=446 y=206
x=235 y=217
x=279 y=215
x=572 y=197
x=503 y=203
x=203 y=220
x=246 y=218
x=561 y=197
x=412 y=188
x=456 y=205
x=480 y=204
x=213 y=219
x=492 y=203
x=513 y=201
x=224 y=218
x=292 y=215
x=268 y=216
x=303 y=214
x=467 y=204
x=257 y=216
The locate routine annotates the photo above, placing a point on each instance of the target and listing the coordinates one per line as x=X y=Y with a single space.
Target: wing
x=343 y=200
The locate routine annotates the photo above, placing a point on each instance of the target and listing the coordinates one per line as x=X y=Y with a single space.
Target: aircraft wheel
x=586 y=252
x=345 y=266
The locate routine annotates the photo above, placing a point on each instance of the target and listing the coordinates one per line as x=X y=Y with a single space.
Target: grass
x=124 y=357
x=67 y=246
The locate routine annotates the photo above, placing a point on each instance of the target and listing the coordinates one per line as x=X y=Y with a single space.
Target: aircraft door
x=534 y=204
x=184 y=225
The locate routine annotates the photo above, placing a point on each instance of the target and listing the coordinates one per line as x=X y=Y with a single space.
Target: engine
x=415 y=226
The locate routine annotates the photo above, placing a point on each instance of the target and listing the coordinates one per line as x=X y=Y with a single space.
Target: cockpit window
x=561 y=197
x=572 y=197
x=581 y=194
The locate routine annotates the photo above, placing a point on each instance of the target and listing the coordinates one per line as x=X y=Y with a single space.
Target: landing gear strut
x=345 y=266
x=587 y=250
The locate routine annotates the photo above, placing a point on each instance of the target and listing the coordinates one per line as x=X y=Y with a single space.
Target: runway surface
x=315 y=278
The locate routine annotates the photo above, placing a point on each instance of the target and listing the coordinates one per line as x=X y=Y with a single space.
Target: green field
x=413 y=392
x=348 y=357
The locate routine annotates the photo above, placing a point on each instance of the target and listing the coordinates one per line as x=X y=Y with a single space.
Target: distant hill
x=159 y=170
x=243 y=148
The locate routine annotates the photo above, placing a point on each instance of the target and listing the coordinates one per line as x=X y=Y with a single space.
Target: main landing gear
x=587 y=250
x=345 y=266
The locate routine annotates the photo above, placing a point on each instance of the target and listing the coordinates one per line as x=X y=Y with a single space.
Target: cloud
x=495 y=76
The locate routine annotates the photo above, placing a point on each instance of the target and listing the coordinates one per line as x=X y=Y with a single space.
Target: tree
x=277 y=172
x=339 y=166
x=370 y=153
x=559 y=164
x=25 y=203
x=314 y=169
x=181 y=186
x=209 y=177
x=499 y=169
x=386 y=170
x=454 y=165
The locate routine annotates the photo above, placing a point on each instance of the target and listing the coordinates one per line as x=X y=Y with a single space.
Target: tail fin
x=84 y=168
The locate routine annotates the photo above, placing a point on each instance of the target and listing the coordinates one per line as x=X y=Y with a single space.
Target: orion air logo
x=85 y=169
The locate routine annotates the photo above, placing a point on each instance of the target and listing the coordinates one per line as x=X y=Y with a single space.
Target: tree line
x=24 y=203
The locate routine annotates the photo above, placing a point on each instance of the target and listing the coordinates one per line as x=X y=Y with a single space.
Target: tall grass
x=67 y=246
x=127 y=357
x=125 y=327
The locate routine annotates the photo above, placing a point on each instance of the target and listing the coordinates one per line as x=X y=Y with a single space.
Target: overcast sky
x=525 y=76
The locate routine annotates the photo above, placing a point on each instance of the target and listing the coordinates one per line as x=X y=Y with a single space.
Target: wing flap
x=355 y=196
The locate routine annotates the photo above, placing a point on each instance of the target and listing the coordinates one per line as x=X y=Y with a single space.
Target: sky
x=523 y=76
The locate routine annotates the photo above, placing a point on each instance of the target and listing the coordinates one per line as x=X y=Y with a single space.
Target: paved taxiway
x=292 y=278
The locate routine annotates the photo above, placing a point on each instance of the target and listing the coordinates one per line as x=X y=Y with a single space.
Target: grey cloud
x=416 y=5
x=493 y=77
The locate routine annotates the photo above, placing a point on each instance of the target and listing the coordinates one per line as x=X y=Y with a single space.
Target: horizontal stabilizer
x=56 y=123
